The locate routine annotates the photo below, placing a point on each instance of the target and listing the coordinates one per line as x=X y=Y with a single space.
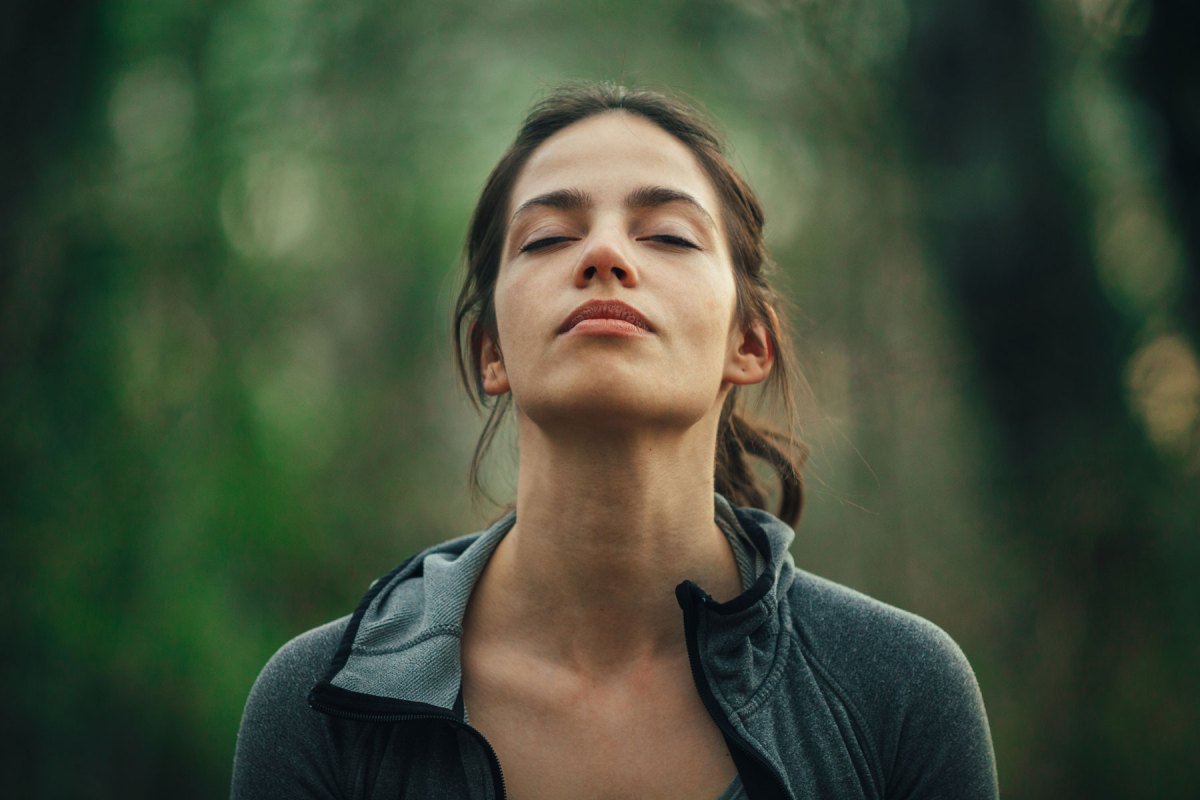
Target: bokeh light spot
x=1138 y=258
x=268 y=207
x=1164 y=387
x=152 y=111
x=1112 y=21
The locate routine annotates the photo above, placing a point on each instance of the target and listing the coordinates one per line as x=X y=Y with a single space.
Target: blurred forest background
x=229 y=238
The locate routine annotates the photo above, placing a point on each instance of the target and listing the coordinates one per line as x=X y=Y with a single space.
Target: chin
x=613 y=405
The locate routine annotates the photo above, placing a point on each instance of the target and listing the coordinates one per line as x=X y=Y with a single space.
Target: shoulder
x=284 y=748
x=908 y=684
x=297 y=665
x=861 y=638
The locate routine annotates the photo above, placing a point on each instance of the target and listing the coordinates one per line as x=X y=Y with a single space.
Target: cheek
x=710 y=311
x=505 y=301
x=517 y=320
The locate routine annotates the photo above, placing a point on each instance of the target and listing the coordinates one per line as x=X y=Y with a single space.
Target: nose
x=603 y=260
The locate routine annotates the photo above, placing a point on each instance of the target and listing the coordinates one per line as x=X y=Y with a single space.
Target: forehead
x=606 y=155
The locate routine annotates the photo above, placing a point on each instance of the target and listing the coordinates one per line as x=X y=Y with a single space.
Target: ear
x=751 y=355
x=491 y=366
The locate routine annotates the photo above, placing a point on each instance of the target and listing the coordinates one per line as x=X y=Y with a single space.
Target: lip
x=610 y=315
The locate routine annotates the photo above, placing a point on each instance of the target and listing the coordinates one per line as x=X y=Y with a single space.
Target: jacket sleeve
x=284 y=748
x=943 y=748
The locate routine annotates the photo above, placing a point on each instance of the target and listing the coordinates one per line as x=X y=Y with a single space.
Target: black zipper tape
x=339 y=702
x=759 y=778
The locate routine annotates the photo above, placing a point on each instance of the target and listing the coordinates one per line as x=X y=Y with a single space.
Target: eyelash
x=674 y=241
x=550 y=241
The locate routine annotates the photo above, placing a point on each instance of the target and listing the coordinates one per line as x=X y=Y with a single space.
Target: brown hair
x=742 y=217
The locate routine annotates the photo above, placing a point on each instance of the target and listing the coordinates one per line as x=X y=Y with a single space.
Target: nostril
x=589 y=273
x=619 y=273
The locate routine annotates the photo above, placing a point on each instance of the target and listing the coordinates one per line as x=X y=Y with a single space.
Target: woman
x=616 y=299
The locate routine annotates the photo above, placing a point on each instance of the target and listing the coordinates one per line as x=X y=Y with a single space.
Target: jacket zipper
x=493 y=759
x=690 y=596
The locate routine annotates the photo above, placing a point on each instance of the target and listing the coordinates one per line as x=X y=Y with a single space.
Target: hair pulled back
x=742 y=220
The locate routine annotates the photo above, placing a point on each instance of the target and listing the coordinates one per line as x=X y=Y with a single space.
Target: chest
x=646 y=735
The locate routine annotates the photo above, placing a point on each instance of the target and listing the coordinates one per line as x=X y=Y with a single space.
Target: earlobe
x=491 y=367
x=752 y=354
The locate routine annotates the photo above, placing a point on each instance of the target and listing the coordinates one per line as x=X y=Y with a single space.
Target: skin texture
x=573 y=655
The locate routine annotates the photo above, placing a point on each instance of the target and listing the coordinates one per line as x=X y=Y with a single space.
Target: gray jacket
x=820 y=692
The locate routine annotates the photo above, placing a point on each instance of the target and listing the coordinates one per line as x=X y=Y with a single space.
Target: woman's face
x=615 y=297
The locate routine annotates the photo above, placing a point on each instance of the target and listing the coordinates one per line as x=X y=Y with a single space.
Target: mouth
x=606 y=314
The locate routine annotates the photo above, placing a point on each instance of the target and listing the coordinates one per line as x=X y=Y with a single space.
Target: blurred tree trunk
x=47 y=51
x=1166 y=74
x=49 y=56
x=1008 y=229
x=44 y=49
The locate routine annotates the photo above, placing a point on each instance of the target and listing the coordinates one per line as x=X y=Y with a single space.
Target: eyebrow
x=655 y=196
x=642 y=197
x=560 y=200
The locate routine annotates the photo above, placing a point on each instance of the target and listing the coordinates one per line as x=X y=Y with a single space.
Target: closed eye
x=673 y=241
x=541 y=244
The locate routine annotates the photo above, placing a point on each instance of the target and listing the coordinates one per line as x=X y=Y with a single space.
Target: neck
x=608 y=523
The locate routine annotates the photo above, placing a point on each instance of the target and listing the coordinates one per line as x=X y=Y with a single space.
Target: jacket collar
x=402 y=645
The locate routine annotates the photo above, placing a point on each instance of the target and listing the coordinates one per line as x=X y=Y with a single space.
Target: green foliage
x=229 y=242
